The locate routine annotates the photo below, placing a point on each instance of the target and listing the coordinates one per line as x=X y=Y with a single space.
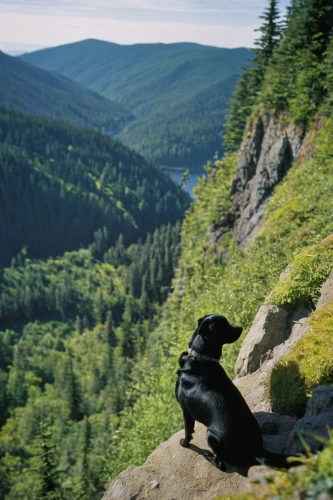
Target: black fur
x=206 y=394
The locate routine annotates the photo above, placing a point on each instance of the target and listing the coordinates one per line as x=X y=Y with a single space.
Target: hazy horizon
x=28 y=25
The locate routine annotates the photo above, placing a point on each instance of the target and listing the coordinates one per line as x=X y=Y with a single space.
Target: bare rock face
x=273 y=333
x=326 y=293
x=266 y=156
x=268 y=330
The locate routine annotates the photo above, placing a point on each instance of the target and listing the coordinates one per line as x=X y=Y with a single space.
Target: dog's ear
x=207 y=330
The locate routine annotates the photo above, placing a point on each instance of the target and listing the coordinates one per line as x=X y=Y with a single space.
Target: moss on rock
x=309 y=364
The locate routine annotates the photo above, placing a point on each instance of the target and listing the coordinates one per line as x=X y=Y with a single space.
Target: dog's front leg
x=189 y=428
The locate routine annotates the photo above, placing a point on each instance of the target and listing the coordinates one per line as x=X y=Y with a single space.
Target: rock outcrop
x=266 y=156
x=267 y=153
x=274 y=331
x=316 y=421
x=175 y=473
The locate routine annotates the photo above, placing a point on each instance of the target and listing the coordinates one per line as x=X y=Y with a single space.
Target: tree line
x=291 y=70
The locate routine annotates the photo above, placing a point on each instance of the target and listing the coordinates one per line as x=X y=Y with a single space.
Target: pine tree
x=72 y=389
x=270 y=36
x=46 y=469
x=82 y=489
x=251 y=81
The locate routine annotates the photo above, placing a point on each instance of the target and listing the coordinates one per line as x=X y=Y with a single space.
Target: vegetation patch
x=309 y=364
x=305 y=276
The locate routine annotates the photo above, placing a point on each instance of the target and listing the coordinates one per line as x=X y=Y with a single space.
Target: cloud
x=53 y=22
x=57 y=30
x=169 y=6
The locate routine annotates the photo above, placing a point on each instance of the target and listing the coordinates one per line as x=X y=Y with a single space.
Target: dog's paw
x=215 y=461
x=184 y=443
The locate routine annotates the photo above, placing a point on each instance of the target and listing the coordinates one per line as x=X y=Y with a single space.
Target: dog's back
x=206 y=392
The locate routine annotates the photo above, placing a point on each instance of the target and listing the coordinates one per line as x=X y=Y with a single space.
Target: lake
x=176 y=175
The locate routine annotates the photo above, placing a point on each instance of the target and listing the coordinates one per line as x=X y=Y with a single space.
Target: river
x=176 y=175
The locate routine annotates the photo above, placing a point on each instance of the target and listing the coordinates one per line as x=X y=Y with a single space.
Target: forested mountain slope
x=163 y=85
x=71 y=330
x=62 y=186
x=44 y=93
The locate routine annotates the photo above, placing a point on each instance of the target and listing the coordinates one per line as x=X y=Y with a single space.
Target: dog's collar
x=195 y=354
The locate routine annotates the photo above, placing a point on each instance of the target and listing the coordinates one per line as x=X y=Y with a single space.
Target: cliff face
x=267 y=153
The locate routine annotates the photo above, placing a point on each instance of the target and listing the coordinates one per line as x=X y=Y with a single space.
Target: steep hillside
x=44 y=93
x=282 y=177
x=219 y=277
x=155 y=81
x=63 y=186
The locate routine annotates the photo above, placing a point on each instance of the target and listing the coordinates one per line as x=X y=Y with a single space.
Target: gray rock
x=316 y=421
x=268 y=330
x=265 y=158
x=297 y=328
x=326 y=292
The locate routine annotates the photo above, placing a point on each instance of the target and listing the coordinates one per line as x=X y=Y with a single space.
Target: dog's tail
x=276 y=460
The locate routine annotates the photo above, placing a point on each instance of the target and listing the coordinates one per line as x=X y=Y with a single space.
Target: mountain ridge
x=46 y=93
x=152 y=79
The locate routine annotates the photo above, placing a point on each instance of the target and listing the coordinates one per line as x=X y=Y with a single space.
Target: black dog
x=206 y=394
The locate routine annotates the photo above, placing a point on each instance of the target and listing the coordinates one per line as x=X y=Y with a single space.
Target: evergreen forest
x=178 y=93
x=44 y=93
x=62 y=187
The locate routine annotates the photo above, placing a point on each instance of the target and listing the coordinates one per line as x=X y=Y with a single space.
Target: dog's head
x=213 y=331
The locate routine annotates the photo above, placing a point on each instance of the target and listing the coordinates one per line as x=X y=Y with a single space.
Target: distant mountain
x=63 y=187
x=40 y=92
x=178 y=92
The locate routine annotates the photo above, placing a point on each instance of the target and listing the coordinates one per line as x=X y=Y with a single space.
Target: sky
x=27 y=25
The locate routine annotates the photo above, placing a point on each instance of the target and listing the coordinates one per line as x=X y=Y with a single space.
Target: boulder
x=274 y=332
x=270 y=328
x=316 y=421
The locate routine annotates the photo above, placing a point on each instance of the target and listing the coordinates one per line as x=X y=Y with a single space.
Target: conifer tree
x=270 y=37
x=250 y=82
x=72 y=389
x=46 y=469
x=82 y=489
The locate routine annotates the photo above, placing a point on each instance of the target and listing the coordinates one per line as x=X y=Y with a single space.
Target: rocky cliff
x=270 y=147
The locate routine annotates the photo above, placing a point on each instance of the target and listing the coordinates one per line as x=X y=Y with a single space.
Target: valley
x=178 y=93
